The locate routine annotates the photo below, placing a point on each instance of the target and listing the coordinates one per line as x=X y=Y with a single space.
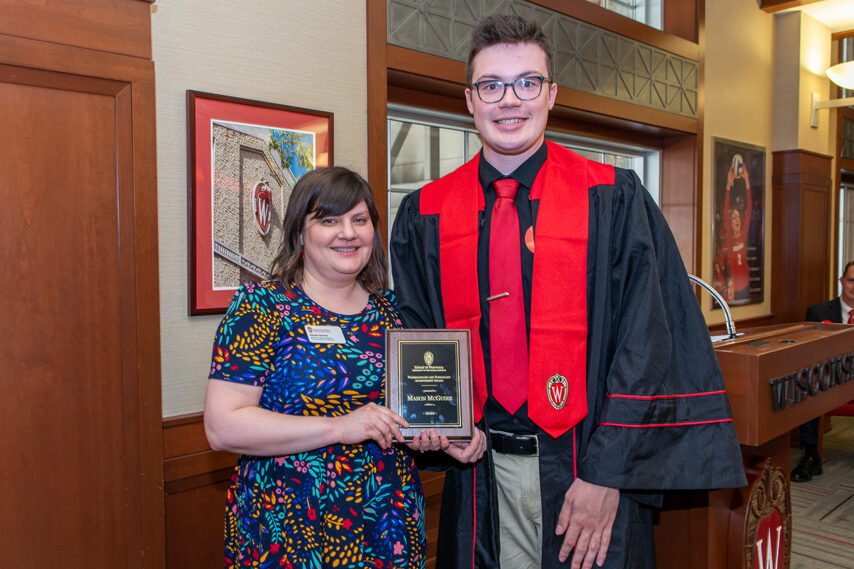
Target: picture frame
x=243 y=158
x=738 y=223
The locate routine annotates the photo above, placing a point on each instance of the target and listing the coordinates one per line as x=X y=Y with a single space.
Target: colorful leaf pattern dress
x=342 y=506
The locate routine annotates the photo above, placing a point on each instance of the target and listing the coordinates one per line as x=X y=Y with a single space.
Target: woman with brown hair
x=297 y=389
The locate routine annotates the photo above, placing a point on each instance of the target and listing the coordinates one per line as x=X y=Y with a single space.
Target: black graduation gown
x=647 y=342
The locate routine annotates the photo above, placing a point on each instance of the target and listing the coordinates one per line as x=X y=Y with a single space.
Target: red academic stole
x=557 y=392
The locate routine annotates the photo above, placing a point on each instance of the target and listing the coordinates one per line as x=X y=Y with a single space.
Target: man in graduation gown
x=612 y=393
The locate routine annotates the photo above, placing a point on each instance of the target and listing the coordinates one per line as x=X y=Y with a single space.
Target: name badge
x=324 y=334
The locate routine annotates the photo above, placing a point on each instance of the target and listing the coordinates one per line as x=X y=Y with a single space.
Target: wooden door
x=80 y=380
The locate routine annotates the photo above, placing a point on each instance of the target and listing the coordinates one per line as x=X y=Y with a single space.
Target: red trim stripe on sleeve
x=648 y=397
x=651 y=425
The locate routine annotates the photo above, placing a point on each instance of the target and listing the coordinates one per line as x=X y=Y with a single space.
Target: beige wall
x=815 y=59
x=739 y=88
x=760 y=72
x=802 y=53
x=787 y=79
x=303 y=53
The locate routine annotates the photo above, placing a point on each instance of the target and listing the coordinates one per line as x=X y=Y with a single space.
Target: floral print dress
x=342 y=506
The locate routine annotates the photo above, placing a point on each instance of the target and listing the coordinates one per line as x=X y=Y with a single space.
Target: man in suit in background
x=838 y=310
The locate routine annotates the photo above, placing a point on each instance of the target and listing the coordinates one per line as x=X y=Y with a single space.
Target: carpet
x=823 y=508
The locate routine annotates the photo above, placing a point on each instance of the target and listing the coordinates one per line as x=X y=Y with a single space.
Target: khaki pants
x=519 y=510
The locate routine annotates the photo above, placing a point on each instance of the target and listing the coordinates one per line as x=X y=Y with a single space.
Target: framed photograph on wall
x=244 y=157
x=738 y=225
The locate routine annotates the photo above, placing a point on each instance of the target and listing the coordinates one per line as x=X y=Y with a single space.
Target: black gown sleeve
x=660 y=419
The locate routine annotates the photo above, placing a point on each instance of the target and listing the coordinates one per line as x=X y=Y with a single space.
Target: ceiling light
x=842 y=74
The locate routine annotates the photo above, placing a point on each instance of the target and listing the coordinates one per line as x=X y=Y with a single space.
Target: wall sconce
x=843 y=75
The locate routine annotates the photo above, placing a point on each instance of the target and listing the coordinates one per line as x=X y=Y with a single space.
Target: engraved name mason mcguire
x=429 y=398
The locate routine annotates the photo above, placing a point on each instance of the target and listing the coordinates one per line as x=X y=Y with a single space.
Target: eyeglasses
x=525 y=88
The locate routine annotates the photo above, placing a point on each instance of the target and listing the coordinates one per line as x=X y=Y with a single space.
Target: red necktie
x=508 y=340
x=851 y=316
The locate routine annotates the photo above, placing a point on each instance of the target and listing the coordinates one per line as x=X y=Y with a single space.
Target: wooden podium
x=777 y=378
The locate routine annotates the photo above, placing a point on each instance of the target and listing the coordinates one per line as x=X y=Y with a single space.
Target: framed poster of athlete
x=738 y=225
x=244 y=157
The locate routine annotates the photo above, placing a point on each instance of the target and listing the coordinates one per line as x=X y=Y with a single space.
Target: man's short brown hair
x=506 y=28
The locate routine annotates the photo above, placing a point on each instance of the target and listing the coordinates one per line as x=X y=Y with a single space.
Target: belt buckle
x=514 y=443
x=536 y=443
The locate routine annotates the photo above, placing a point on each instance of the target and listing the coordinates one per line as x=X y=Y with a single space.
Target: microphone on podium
x=730 y=324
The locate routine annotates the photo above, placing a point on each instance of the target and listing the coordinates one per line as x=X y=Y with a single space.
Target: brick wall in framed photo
x=244 y=157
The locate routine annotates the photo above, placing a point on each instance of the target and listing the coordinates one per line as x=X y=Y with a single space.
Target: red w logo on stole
x=557 y=389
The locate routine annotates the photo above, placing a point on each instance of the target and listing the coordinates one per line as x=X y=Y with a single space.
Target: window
x=644 y=161
x=846 y=191
x=424 y=147
x=644 y=11
x=846 y=54
x=846 y=225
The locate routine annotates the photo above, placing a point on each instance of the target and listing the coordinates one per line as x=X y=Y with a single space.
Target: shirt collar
x=525 y=174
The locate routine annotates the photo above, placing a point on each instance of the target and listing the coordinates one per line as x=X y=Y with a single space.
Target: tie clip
x=497 y=296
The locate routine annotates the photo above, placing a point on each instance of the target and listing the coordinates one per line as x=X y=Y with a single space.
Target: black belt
x=522 y=445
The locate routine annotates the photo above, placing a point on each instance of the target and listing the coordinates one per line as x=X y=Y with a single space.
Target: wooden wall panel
x=377 y=134
x=684 y=18
x=115 y=26
x=801 y=185
x=75 y=366
x=195 y=516
x=679 y=197
x=196 y=479
x=79 y=248
x=433 y=483
x=772 y=6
